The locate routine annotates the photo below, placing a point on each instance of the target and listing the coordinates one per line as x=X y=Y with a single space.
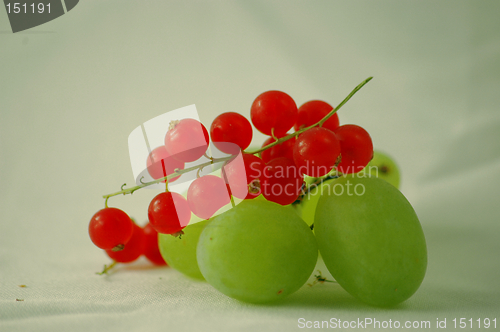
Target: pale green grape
x=259 y=251
x=307 y=207
x=371 y=240
x=384 y=167
x=180 y=252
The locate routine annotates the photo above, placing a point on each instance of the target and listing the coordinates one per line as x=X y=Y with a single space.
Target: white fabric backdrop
x=73 y=89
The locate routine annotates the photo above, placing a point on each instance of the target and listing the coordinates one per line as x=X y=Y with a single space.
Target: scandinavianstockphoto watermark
x=365 y=323
x=374 y=323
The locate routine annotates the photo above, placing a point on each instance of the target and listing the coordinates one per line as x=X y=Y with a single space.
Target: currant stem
x=215 y=160
x=168 y=177
x=107 y=268
x=320 y=123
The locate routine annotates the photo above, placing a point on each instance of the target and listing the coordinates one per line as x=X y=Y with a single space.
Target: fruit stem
x=168 y=177
x=216 y=160
x=304 y=190
x=320 y=123
x=107 y=268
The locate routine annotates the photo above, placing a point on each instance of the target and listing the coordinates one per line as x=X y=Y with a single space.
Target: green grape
x=180 y=252
x=384 y=167
x=307 y=207
x=258 y=251
x=371 y=240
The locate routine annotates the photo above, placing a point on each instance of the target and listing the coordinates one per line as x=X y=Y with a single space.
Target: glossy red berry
x=281 y=181
x=186 y=140
x=110 y=227
x=169 y=213
x=206 y=195
x=273 y=110
x=229 y=128
x=243 y=176
x=160 y=164
x=151 y=249
x=284 y=149
x=132 y=250
x=316 y=151
x=356 y=148
x=312 y=112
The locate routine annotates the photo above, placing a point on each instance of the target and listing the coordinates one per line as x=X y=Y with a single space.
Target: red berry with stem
x=356 y=148
x=206 y=195
x=110 y=228
x=151 y=249
x=281 y=181
x=160 y=164
x=133 y=249
x=312 y=112
x=169 y=213
x=316 y=151
x=186 y=140
x=229 y=128
x=284 y=149
x=243 y=176
x=273 y=112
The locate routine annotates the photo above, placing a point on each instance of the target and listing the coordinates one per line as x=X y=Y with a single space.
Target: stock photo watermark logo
x=25 y=15
x=176 y=145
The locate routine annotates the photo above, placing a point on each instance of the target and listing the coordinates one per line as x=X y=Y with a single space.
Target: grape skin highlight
x=372 y=244
x=257 y=252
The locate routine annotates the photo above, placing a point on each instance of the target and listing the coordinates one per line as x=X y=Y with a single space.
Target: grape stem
x=319 y=123
x=177 y=172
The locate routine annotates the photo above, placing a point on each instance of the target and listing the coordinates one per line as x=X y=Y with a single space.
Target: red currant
x=169 y=213
x=284 y=149
x=110 y=227
x=281 y=181
x=132 y=250
x=316 y=151
x=312 y=112
x=273 y=110
x=356 y=148
x=186 y=140
x=243 y=176
x=233 y=128
x=206 y=195
x=151 y=249
x=160 y=164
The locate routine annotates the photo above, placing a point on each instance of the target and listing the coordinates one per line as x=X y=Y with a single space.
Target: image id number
x=23 y=8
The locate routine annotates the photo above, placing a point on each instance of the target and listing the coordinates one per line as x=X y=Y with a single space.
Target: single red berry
x=132 y=250
x=243 y=174
x=230 y=128
x=284 y=149
x=169 y=213
x=110 y=227
x=281 y=181
x=316 y=151
x=273 y=110
x=186 y=140
x=160 y=164
x=206 y=195
x=312 y=112
x=356 y=148
x=151 y=249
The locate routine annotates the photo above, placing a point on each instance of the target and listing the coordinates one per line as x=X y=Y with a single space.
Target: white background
x=73 y=89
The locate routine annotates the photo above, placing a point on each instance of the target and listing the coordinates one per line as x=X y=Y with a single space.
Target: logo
x=25 y=15
x=176 y=142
